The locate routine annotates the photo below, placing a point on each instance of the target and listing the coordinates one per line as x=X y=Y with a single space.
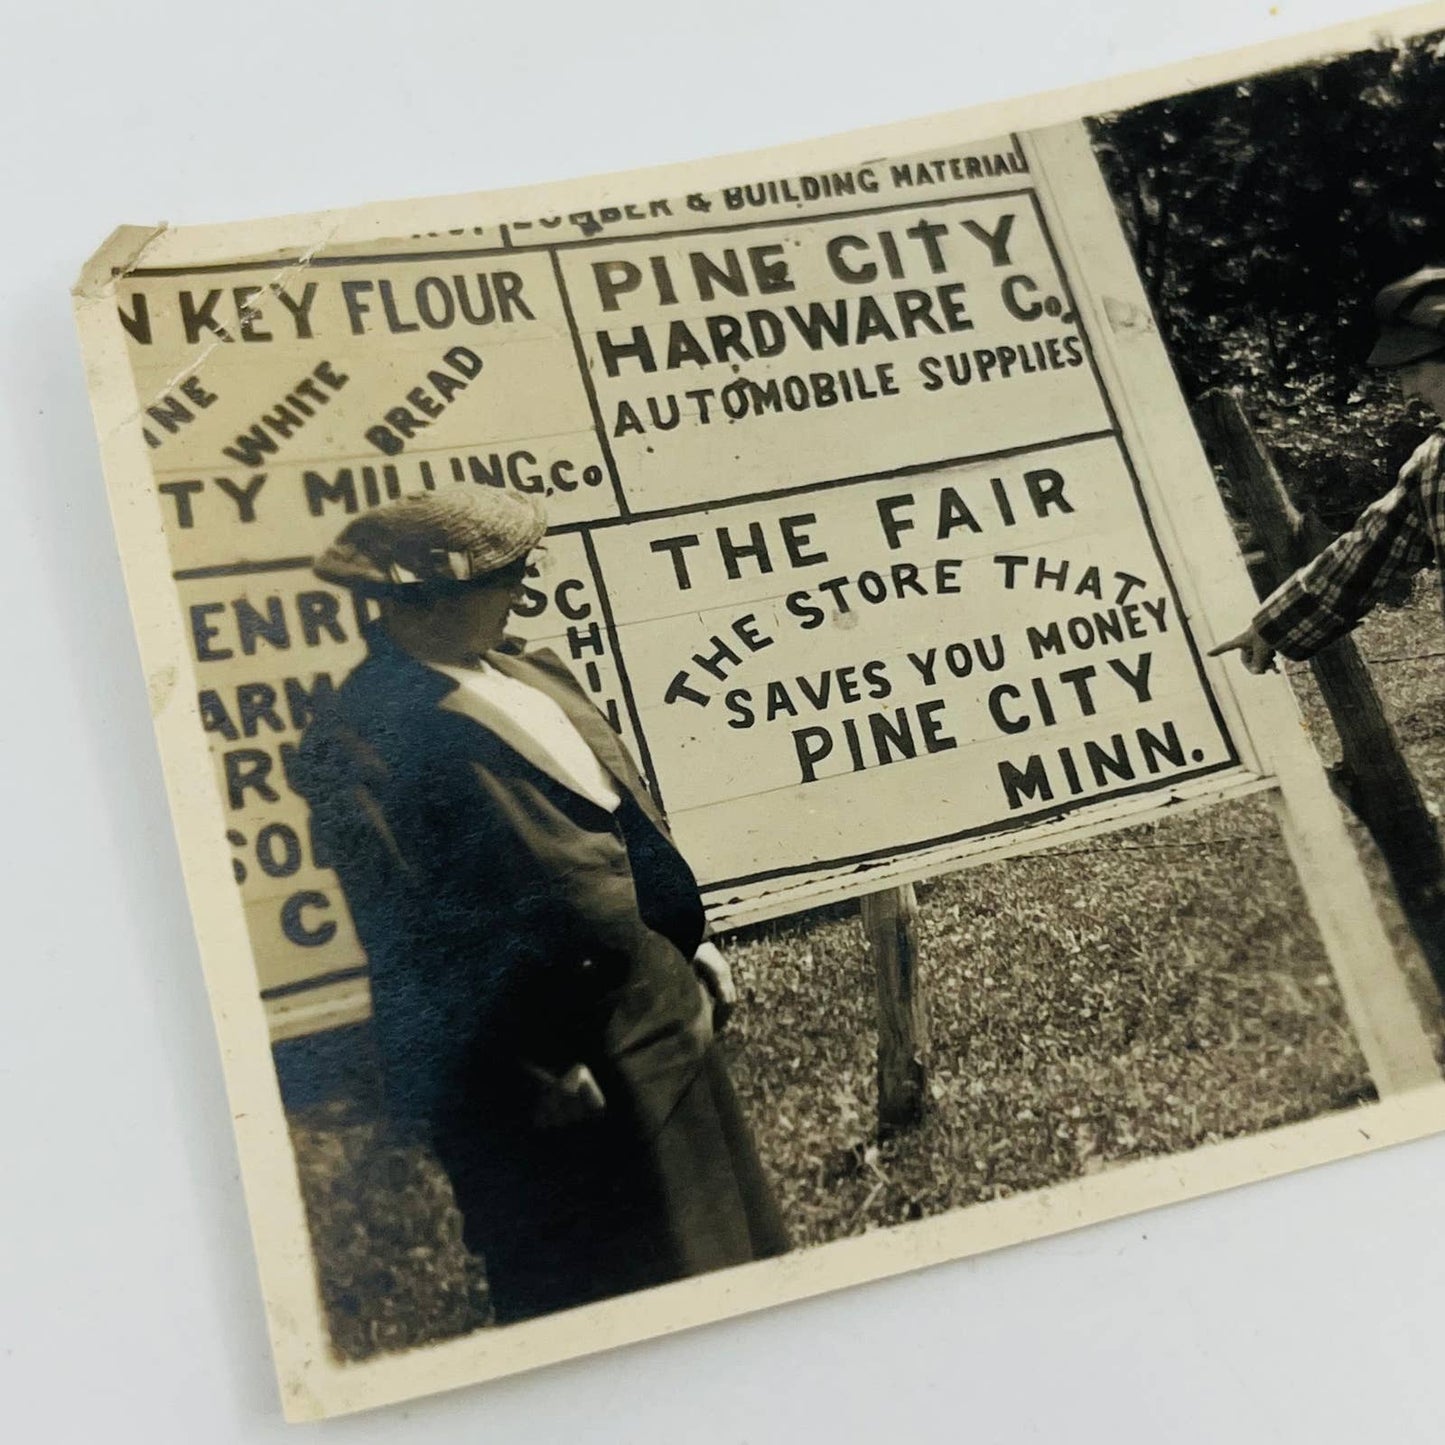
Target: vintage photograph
x=711 y=727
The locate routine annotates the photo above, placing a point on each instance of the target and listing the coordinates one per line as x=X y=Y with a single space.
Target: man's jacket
x=507 y=920
x=1393 y=539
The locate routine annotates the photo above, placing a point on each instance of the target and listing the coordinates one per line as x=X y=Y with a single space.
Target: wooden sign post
x=1375 y=779
x=890 y=923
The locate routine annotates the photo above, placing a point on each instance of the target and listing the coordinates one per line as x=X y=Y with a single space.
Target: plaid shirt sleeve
x=1325 y=598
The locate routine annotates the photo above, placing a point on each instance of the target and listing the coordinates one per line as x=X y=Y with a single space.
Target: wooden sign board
x=853 y=534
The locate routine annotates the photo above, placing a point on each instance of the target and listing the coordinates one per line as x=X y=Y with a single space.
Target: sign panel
x=845 y=538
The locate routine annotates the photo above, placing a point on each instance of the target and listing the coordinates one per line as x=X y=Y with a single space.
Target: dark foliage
x=1264 y=216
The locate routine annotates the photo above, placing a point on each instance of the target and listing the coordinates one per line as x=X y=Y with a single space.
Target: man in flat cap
x=543 y=999
x=1394 y=537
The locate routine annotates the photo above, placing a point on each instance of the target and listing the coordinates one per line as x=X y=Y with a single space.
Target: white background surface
x=1305 y=1309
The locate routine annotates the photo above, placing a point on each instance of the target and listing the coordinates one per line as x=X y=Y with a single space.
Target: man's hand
x=717 y=978
x=569 y=1098
x=1256 y=653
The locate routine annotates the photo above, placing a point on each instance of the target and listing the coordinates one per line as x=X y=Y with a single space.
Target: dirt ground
x=1137 y=995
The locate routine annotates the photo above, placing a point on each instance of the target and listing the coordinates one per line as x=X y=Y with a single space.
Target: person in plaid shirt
x=1394 y=537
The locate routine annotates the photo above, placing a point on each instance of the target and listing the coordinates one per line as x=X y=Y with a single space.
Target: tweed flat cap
x=1411 y=313
x=439 y=539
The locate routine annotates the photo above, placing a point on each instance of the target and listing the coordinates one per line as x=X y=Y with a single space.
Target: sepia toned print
x=701 y=710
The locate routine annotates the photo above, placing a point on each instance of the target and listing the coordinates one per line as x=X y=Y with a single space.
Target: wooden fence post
x=890 y=921
x=1376 y=781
